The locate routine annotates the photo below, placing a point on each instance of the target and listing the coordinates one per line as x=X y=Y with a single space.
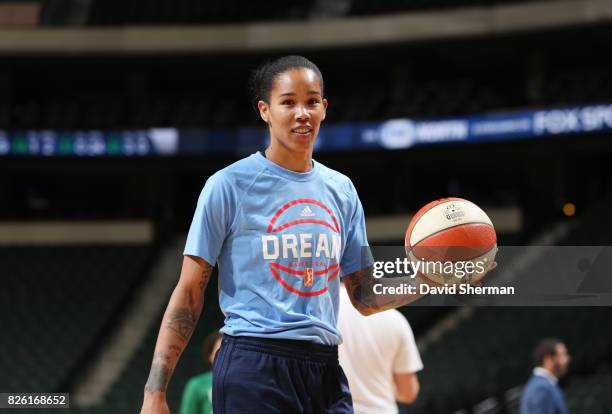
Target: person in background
x=197 y=397
x=542 y=394
x=380 y=358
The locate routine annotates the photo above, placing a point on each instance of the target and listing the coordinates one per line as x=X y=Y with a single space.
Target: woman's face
x=295 y=111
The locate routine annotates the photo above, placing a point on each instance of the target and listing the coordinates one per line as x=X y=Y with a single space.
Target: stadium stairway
x=138 y=318
x=125 y=392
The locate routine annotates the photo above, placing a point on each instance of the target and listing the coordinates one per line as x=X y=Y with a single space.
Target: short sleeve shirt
x=375 y=347
x=282 y=240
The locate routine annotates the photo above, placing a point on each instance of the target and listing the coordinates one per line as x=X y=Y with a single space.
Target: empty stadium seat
x=55 y=303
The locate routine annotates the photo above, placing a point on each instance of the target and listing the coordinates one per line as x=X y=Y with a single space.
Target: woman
x=283 y=230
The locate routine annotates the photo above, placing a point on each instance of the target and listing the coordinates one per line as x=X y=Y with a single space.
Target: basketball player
x=283 y=229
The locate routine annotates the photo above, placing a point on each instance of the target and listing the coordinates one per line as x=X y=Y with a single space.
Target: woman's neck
x=298 y=162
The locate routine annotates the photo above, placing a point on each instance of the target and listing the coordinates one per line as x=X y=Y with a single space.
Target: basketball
x=451 y=241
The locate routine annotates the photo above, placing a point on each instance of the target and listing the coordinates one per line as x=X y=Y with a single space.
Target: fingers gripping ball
x=451 y=241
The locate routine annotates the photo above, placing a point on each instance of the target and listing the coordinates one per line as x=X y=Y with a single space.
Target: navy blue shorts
x=255 y=375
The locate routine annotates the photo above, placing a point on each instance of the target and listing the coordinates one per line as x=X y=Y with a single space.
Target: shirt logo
x=303 y=259
x=308 y=276
x=307 y=212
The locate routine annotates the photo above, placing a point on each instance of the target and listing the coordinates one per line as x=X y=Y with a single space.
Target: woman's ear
x=325 y=103
x=264 y=112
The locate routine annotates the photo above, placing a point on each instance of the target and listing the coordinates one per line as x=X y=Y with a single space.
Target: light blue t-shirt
x=282 y=240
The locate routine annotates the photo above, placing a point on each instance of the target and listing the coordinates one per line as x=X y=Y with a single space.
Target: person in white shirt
x=380 y=358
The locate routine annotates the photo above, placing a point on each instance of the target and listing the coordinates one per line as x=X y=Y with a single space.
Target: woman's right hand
x=155 y=403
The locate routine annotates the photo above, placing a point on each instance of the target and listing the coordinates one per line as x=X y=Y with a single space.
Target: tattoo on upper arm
x=205 y=276
x=182 y=321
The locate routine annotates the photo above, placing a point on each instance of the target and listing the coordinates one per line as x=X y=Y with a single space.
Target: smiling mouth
x=302 y=130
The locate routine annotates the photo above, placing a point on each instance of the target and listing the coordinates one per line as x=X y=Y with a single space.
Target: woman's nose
x=301 y=112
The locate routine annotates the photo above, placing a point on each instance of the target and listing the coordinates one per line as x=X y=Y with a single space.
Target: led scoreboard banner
x=158 y=141
x=389 y=135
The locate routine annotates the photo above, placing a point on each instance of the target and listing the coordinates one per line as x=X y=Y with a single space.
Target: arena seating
x=55 y=305
x=135 y=12
x=126 y=394
x=568 y=87
x=587 y=393
x=591 y=394
x=491 y=352
x=385 y=96
x=142 y=12
x=365 y=7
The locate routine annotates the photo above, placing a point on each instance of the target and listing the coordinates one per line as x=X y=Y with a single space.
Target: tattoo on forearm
x=177 y=350
x=159 y=376
x=205 y=277
x=360 y=286
x=182 y=321
x=356 y=284
x=161 y=357
x=161 y=369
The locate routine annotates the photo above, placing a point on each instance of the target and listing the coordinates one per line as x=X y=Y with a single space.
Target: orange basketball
x=451 y=241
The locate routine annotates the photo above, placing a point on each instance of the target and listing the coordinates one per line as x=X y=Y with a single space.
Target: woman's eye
x=313 y=101
x=288 y=102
